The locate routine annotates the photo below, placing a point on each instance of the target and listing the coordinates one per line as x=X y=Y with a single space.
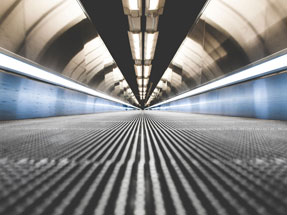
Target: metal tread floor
x=143 y=162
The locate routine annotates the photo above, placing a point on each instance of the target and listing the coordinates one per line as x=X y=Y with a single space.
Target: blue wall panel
x=22 y=98
x=264 y=98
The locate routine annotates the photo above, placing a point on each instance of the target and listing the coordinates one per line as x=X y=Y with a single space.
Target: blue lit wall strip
x=17 y=64
x=264 y=98
x=22 y=98
x=246 y=93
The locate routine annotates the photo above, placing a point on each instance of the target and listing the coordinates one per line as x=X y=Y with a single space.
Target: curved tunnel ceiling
x=60 y=37
x=112 y=25
x=228 y=36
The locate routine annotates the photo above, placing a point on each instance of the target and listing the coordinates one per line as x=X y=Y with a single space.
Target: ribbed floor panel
x=143 y=162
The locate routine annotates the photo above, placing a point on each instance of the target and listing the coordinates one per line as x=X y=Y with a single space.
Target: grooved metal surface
x=143 y=162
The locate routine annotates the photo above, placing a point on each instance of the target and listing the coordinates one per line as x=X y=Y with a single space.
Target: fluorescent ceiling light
x=140 y=81
x=134 y=4
x=167 y=75
x=154 y=4
x=150 y=44
x=23 y=68
x=160 y=84
x=141 y=89
x=118 y=76
x=132 y=7
x=129 y=90
x=156 y=91
x=139 y=70
x=147 y=70
x=267 y=67
x=136 y=45
x=136 y=101
x=125 y=84
x=145 y=81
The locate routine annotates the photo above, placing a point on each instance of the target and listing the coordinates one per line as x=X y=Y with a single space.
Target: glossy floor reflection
x=143 y=162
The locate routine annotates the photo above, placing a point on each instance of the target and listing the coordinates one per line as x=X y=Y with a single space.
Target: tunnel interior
x=143 y=107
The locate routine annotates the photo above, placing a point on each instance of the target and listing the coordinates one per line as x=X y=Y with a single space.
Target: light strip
x=154 y=4
x=131 y=6
x=150 y=44
x=147 y=70
x=136 y=45
x=20 y=67
x=273 y=65
x=140 y=81
x=134 y=5
x=138 y=69
x=145 y=81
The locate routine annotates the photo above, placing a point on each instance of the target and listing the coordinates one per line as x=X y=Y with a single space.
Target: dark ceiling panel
x=112 y=25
